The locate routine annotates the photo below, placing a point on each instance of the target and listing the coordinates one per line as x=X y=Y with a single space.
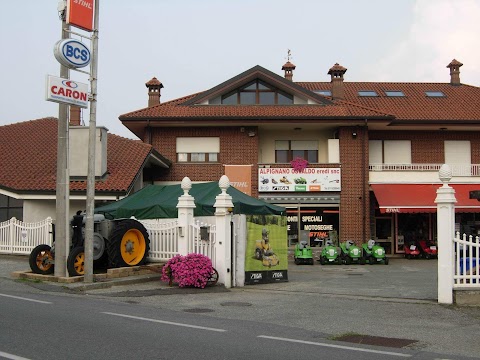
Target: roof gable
x=260 y=73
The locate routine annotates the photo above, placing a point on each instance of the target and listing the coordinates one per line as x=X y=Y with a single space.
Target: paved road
x=393 y=301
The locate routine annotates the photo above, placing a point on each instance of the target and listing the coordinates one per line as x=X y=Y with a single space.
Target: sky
x=193 y=45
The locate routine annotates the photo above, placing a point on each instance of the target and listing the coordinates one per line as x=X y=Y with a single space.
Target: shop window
x=312 y=224
x=10 y=207
x=287 y=150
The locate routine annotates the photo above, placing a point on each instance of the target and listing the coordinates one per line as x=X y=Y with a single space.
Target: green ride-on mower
x=374 y=253
x=351 y=253
x=330 y=254
x=303 y=253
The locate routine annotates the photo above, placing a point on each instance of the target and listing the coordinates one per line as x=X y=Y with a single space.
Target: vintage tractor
x=118 y=243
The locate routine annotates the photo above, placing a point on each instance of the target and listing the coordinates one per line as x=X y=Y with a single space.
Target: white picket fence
x=19 y=238
x=467 y=265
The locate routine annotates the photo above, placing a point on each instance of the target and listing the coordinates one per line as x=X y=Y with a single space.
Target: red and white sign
x=66 y=91
x=80 y=13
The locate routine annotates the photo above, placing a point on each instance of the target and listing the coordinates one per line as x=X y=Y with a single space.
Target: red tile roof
x=461 y=103
x=28 y=159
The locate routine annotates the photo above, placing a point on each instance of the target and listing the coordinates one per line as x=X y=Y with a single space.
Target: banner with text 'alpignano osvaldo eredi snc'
x=267 y=249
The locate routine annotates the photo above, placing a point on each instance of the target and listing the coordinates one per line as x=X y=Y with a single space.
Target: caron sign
x=66 y=91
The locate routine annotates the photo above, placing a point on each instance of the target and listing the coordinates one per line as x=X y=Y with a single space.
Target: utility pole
x=89 y=225
x=62 y=241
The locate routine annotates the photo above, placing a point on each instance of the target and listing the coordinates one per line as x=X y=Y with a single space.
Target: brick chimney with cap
x=288 y=67
x=336 y=72
x=75 y=116
x=455 y=72
x=154 y=87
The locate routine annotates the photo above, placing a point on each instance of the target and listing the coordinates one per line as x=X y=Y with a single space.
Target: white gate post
x=185 y=206
x=445 y=229
x=223 y=206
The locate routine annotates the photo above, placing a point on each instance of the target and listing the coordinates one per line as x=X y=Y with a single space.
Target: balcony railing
x=457 y=170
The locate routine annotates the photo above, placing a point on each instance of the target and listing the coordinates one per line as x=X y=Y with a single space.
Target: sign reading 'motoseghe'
x=66 y=91
x=80 y=14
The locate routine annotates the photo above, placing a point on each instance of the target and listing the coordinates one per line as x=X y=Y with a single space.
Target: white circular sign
x=72 y=53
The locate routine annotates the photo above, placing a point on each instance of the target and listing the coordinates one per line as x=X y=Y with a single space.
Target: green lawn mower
x=374 y=253
x=330 y=254
x=351 y=253
x=303 y=253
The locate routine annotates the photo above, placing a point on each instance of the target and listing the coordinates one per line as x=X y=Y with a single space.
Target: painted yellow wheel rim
x=133 y=247
x=79 y=264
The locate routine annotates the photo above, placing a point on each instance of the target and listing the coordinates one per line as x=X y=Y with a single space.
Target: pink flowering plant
x=299 y=164
x=190 y=270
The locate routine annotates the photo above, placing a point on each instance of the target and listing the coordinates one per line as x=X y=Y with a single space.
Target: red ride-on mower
x=428 y=249
x=412 y=251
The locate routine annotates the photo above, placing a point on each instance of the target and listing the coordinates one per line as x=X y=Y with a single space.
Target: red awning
x=420 y=198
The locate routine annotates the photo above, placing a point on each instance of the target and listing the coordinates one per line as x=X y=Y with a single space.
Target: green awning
x=160 y=202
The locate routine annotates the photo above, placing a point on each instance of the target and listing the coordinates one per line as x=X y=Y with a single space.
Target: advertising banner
x=288 y=179
x=66 y=91
x=266 y=258
x=80 y=14
x=240 y=177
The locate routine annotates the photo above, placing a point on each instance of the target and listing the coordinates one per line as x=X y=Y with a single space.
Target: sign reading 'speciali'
x=66 y=91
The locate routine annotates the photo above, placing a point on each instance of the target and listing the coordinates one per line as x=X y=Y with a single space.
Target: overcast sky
x=193 y=45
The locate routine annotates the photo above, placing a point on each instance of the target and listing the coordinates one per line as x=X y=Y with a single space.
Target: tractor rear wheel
x=76 y=261
x=129 y=244
x=41 y=260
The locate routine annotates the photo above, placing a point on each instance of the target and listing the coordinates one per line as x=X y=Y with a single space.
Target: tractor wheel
x=41 y=260
x=385 y=261
x=76 y=261
x=129 y=244
x=322 y=260
x=297 y=262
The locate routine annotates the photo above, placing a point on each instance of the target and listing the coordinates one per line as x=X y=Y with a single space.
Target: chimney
x=75 y=112
x=288 y=67
x=154 y=87
x=454 y=72
x=336 y=72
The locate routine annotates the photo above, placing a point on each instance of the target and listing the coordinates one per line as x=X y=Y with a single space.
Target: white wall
x=37 y=210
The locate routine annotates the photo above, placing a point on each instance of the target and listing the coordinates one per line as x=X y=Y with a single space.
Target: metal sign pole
x=63 y=179
x=89 y=225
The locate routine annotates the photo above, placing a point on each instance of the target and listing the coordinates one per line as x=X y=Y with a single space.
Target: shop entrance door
x=384 y=233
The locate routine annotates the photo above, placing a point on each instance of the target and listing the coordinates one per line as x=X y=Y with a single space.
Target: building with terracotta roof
x=372 y=149
x=28 y=162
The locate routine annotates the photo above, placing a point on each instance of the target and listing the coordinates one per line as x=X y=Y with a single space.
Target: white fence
x=467 y=265
x=19 y=238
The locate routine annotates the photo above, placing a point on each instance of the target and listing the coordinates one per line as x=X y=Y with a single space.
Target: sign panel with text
x=308 y=180
x=80 y=14
x=66 y=91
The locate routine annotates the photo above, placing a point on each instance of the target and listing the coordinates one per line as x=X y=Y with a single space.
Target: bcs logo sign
x=72 y=53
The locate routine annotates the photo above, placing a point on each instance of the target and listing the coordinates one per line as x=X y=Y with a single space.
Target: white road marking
x=335 y=346
x=165 y=322
x=10 y=356
x=26 y=299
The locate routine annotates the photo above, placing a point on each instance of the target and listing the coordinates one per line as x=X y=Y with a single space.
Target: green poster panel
x=266 y=258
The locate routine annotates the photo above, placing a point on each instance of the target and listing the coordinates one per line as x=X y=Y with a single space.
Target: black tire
x=385 y=261
x=258 y=254
x=408 y=256
x=41 y=260
x=361 y=261
x=322 y=260
x=297 y=262
x=348 y=260
x=129 y=244
x=76 y=261
x=310 y=261
x=213 y=279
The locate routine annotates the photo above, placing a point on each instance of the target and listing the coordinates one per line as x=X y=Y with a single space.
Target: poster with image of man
x=266 y=250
